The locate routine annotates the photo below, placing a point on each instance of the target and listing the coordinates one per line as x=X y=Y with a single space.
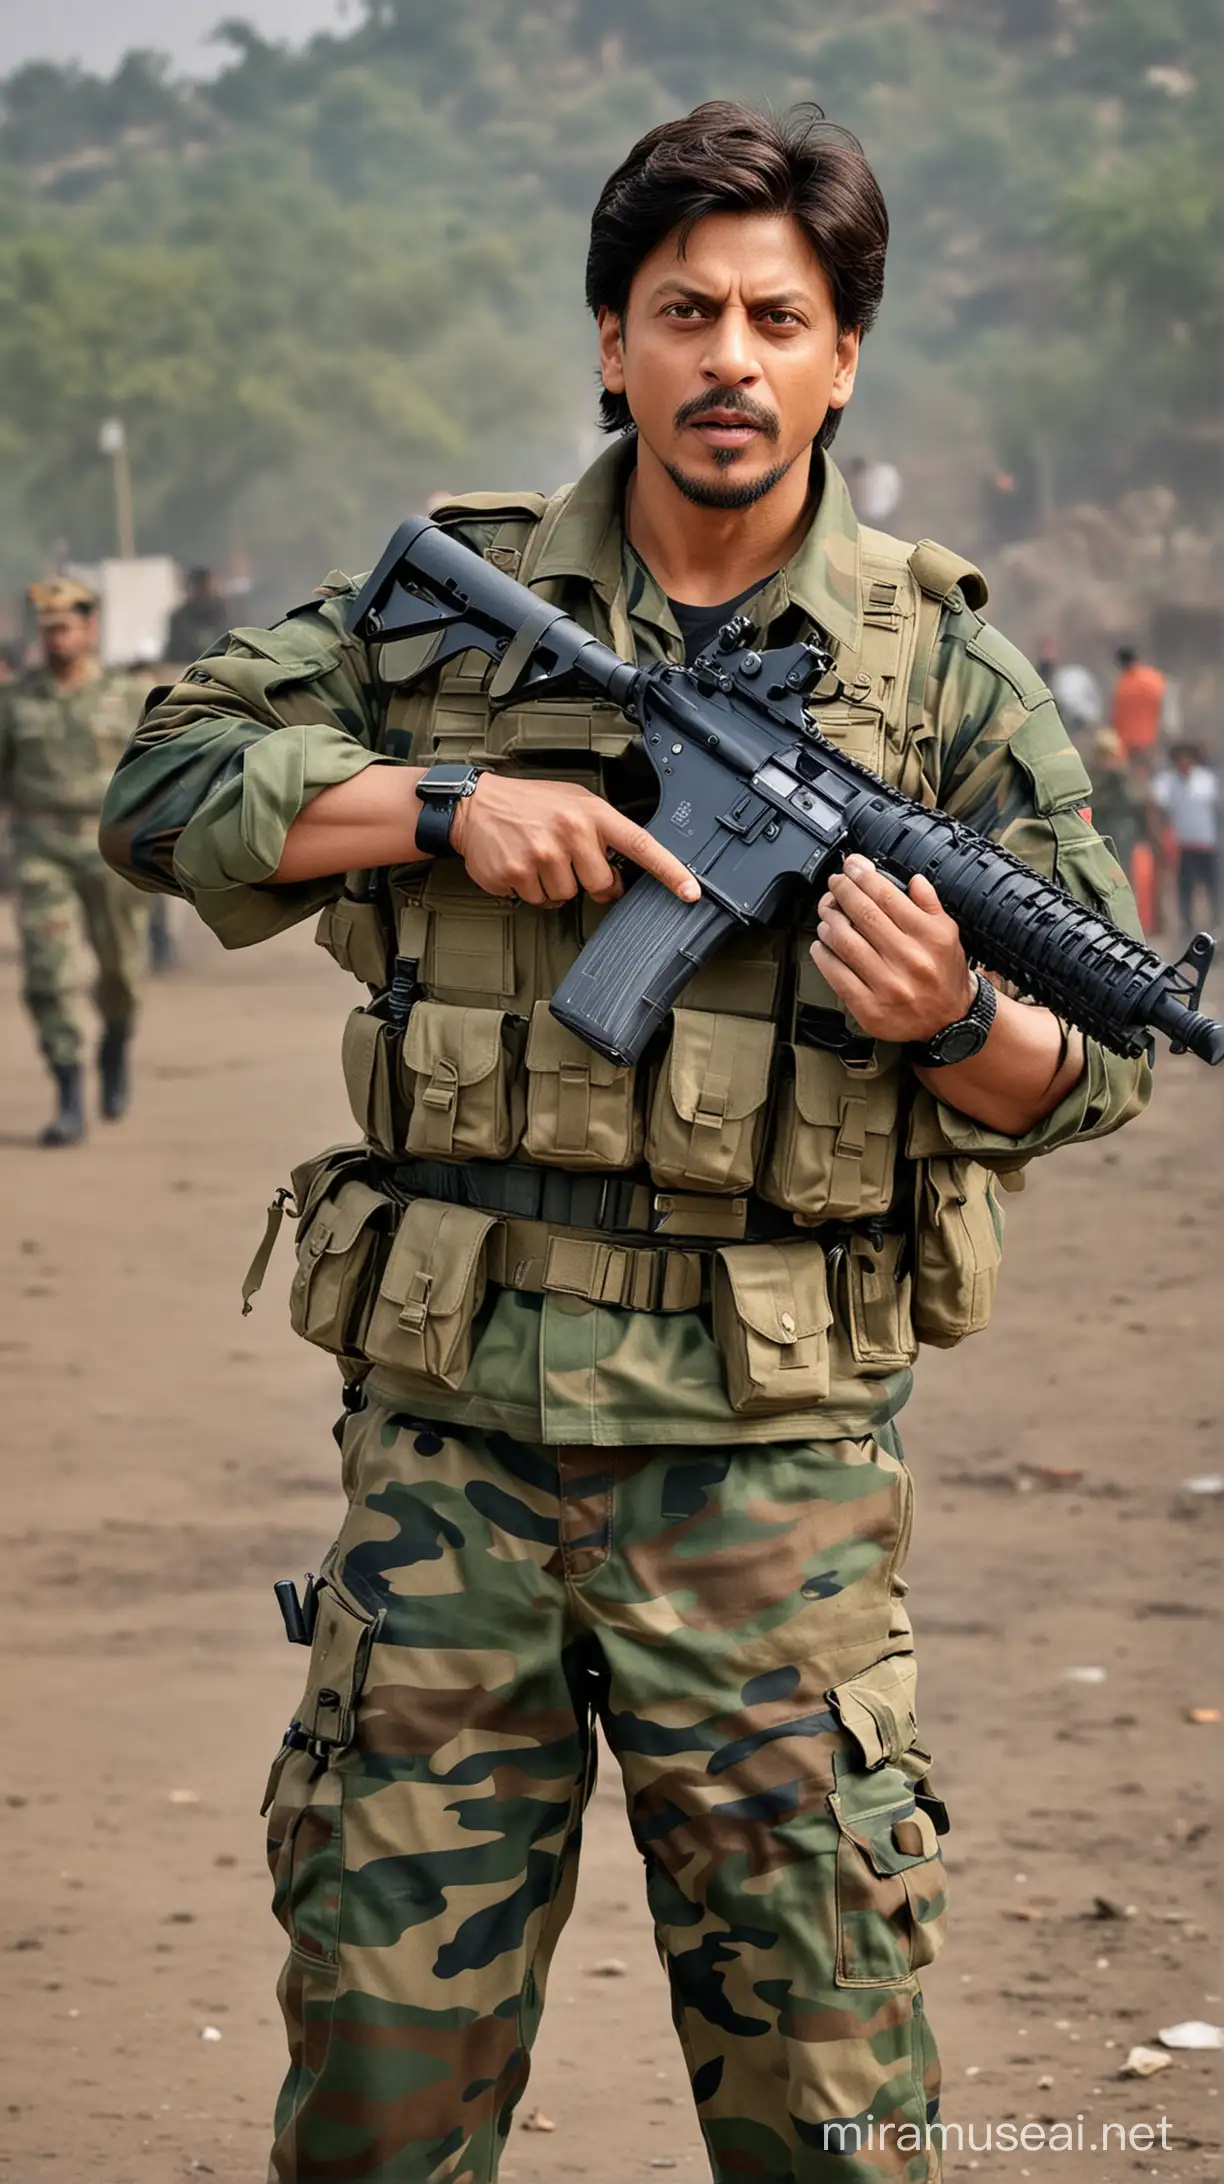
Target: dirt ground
x=166 y=1460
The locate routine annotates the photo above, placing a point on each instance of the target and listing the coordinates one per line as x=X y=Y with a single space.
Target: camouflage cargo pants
x=732 y=1618
x=63 y=885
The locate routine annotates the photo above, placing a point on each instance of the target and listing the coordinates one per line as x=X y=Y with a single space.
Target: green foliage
x=335 y=279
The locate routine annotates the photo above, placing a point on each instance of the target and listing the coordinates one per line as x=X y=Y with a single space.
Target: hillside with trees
x=330 y=281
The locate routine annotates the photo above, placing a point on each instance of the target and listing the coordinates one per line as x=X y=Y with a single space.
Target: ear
x=611 y=350
x=848 y=345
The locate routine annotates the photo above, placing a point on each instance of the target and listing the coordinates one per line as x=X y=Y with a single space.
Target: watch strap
x=440 y=790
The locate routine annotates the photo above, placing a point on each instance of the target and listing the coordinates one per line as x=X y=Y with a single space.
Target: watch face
x=959 y=1042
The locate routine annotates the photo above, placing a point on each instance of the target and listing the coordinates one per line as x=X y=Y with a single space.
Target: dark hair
x=724 y=157
x=1126 y=655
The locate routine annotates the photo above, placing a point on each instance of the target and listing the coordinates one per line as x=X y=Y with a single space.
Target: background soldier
x=199 y=617
x=624 y=1350
x=62 y=728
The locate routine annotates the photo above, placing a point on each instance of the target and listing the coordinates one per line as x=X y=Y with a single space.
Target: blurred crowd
x=1155 y=795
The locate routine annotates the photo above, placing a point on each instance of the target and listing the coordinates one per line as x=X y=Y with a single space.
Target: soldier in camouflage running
x=62 y=728
x=623 y=1350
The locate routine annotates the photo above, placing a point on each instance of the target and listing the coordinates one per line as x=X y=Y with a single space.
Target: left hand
x=895 y=960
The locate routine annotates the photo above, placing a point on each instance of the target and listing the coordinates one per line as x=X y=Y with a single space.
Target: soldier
x=198 y=618
x=623 y=1350
x=62 y=728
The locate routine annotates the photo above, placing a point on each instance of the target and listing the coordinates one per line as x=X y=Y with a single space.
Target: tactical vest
x=759 y=1166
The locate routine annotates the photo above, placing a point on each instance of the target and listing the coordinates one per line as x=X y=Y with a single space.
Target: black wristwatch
x=967 y=1036
x=441 y=791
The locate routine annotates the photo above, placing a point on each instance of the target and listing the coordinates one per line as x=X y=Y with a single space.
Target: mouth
x=726 y=428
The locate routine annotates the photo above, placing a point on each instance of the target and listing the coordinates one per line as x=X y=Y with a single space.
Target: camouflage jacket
x=59 y=749
x=224 y=762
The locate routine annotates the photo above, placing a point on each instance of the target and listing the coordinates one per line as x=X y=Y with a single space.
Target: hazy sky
x=98 y=32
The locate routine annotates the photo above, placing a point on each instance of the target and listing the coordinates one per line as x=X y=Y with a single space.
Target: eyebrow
x=785 y=299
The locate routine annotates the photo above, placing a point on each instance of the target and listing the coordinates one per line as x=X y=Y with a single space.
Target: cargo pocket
x=891 y=1893
x=459 y=1070
x=834 y=1148
x=431 y=1290
x=582 y=1110
x=708 y=1110
x=875 y=1290
x=771 y=1324
x=305 y=1858
x=369 y=1054
x=958 y=1251
x=338 y=1250
x=877 y=1708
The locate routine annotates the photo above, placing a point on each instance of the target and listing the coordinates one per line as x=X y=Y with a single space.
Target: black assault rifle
x=762 y=808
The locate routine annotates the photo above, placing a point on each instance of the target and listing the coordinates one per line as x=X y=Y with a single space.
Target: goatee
x=715 y=493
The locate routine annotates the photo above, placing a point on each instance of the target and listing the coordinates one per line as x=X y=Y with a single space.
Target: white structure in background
x=138 y=598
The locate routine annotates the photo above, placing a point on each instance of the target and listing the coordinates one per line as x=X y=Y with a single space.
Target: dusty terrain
x=166 y=1460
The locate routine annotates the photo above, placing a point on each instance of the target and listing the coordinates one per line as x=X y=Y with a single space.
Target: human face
x=729 y=356
x=66 y=638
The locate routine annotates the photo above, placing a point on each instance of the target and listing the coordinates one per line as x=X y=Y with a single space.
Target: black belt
x=621 y=1205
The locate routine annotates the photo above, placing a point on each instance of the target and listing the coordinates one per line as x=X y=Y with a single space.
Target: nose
x=730 y=358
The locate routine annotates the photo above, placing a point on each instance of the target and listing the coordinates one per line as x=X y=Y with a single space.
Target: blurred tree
x=336 y=277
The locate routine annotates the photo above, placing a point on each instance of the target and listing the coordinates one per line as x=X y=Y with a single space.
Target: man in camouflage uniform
x=62 y=728
x=623 y=1352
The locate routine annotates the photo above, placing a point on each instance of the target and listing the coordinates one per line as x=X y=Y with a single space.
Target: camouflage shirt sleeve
x=1003 y=762
x=225 y=760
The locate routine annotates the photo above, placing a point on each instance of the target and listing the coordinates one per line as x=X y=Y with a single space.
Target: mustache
x=729 y=398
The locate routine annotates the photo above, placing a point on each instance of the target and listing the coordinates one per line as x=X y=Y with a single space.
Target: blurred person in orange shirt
x=1138 y=702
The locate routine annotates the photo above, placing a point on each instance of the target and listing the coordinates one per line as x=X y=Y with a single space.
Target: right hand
x=547 y=841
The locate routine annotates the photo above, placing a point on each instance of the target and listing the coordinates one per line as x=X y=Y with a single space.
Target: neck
x=71 y=674
x=705 y=555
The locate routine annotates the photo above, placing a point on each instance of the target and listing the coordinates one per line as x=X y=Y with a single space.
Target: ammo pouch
x=342 y=1229
x=869 y=1275
x=432 y=1286
x=460 y=1071
x=833 y=1150
x=707 y=1114
x=958 y=1248
x=378 y=1095
x=582 y=1110
x=771 y=1323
